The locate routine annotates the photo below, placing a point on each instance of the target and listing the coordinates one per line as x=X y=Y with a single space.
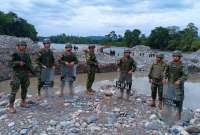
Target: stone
x=108 y=93
x=3 y=117
x=193 y=129
x=75 y=130
x=24 y=131
x=152 y=125
x=53 y=123
x=11 y=124
x=3 y=103
x=92 y=119
x=2 y=111
x=153 y=117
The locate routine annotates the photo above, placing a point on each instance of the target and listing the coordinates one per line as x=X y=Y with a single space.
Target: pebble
x=11 y=124
x=53 y=123
x=92 y=119
x=24 y=131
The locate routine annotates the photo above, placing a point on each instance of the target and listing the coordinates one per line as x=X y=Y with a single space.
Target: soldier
x=68 y=61
x=92 y=66
x=45 y=62
x=156 y=75
x=176 y=74
x=126 y=66
x=21 y=66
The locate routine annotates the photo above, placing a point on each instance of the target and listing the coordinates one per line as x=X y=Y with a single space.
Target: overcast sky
x=99 y=17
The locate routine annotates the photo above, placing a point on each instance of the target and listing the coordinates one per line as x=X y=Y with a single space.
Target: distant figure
x=46 y=64
x=92 y=65
x=68 y=61
x=156 y=77
x=126 y=67
x=21 y=66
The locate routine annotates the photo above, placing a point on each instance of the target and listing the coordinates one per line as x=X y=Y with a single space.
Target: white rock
x=11 y=124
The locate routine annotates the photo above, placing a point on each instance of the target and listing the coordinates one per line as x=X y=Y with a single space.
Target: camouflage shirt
x=127 y=64
x=176 y=71
x=91 y=59
x=68 y=58
x=157 y=71
x=45 y=58
x=15 y=63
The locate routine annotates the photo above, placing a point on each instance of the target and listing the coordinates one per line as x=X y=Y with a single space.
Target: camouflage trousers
x=157 y=87
x=126 y=78
x=18 y=80
x=90 y=77
x=45 y=75
x=179 y=96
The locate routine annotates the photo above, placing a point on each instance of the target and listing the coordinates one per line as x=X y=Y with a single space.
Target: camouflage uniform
x=45 y=58
x=177 y=71
x=20 y=76
x=156 y=74
x=125 y=65
x=92 y=66
x=68 y=73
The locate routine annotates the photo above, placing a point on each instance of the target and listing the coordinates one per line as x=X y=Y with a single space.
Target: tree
x=159 y=38
x=136 y=37
x=128 y=38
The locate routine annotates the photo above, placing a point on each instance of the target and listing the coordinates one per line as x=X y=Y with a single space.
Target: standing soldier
x=177 y=74
x=68 y=61
x=92 y=66
x=45 y=62
x=126 y=66
x=21 y=66
x=156 y=75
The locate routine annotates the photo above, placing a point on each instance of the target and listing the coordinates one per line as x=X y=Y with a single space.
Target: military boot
x=153 y=103
x=160 y=104
x=11 y=109
x=24 y=104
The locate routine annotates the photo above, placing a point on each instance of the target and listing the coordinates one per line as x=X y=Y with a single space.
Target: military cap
x=21 y=43
x=91 y=46
x=127 y=51
x=160 y=55
x=46 y=41
x=177 y=53
x=68 y=45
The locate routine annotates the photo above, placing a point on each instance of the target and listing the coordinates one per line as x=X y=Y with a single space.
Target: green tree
x=159 y=38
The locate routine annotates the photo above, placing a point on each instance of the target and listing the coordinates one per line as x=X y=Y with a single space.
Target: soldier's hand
x=71 y=63
x=66 y=63
x=43 y=66
x=21 y=63
x=164 y=81
x=130 y=72
x=178 y=82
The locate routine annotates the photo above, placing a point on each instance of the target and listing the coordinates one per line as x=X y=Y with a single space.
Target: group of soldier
x=160 y=73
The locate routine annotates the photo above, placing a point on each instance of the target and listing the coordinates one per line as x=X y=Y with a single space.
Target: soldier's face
x=46 y=45
x=21 y=47
x=126 y=54
x=176 y=58
x=158 y=59
x=68 y=50
x=92 y=49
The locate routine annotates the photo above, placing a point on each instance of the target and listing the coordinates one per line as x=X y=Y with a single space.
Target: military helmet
x=127 y=51
x=21 y=43
x=160 y=55
x=46 y=41
x=68 y=45
x=177 y=53
x=91 y=46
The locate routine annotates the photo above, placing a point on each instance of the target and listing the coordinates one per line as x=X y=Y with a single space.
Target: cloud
x=98 y=17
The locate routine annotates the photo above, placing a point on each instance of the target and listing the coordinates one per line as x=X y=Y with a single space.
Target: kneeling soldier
x=21 y=66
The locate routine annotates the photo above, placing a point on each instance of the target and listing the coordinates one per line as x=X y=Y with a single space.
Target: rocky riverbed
x=101 y=114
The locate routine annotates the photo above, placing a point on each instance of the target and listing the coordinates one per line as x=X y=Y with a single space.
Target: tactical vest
x=47 y=58
x=157 y=71
x=175 y=71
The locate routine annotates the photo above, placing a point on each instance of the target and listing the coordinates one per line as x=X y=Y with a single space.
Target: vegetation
x=11 y=24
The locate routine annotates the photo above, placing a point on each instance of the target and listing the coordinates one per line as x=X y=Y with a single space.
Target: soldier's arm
x=53 y=59
x=60 y=59
x=38 y=59
x=150 y=72
x=75 y=59
x=13 y=62
x=29 y=65
x=166 y=72
x=184 y=76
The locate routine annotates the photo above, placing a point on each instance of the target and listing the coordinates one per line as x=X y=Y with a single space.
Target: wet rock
x=3 y=103
x=92 y=119
x=53 y=123
x=153 y=117
x=197 y=113
x=152 y=125
x=24 y=131
x=11 y=124
x=108 y=93
x=3 y=117
x=195 y=121
x=2 y=111
x=75 y=130
x=193 y=129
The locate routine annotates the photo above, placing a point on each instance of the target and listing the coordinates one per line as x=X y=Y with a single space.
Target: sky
x=99 y=17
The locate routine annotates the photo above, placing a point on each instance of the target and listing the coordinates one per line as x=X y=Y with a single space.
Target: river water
x=140 y=82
